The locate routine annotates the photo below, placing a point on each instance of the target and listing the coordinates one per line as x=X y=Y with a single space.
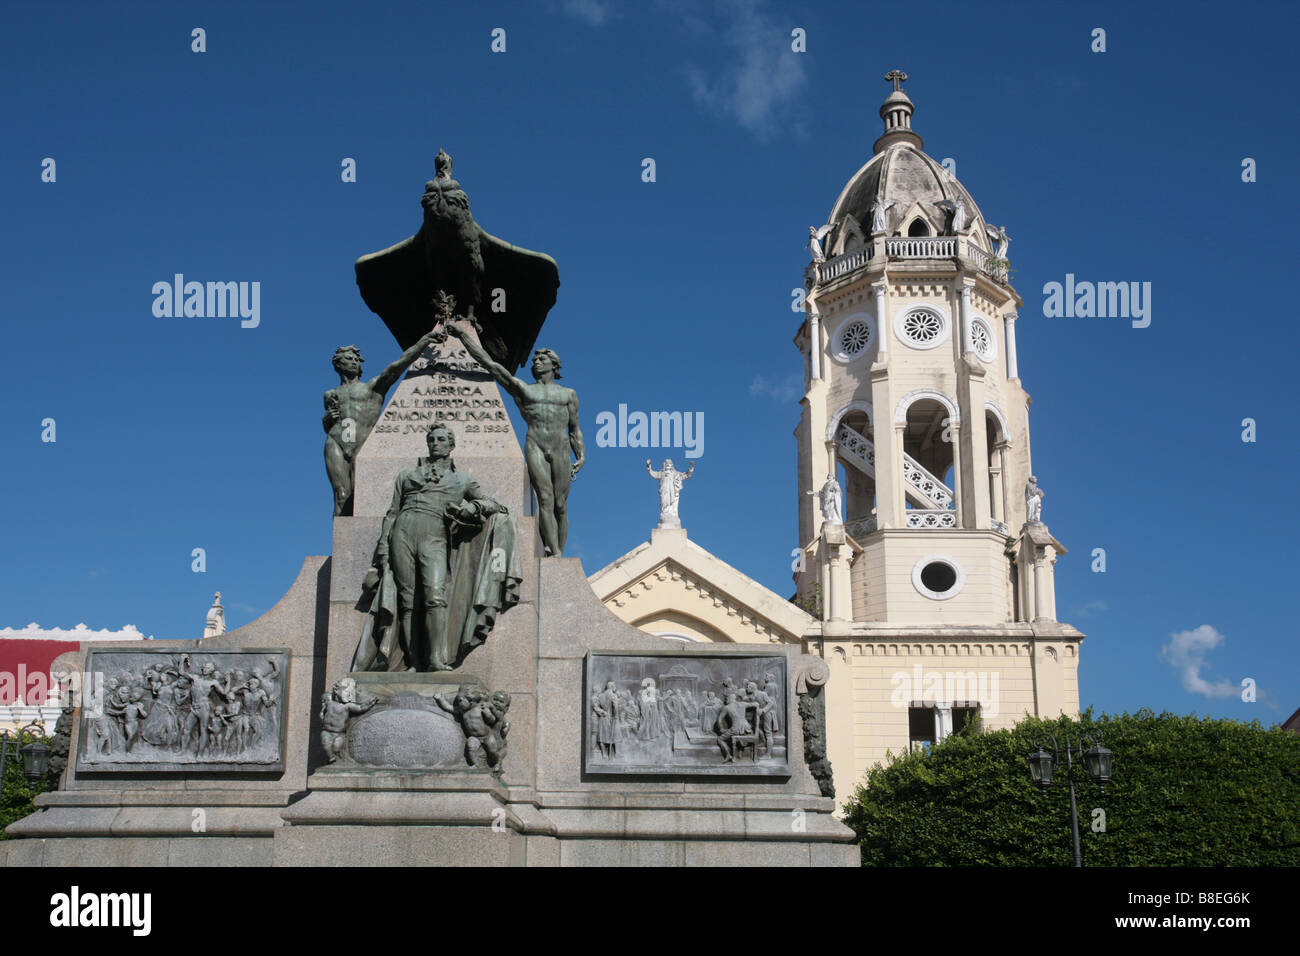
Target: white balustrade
x=858 y=449
x=931 y=518
x=989 y=265
x=930 y=487
x=912 y=247
x=843 y=265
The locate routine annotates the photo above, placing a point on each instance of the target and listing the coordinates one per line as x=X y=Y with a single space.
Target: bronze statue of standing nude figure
x=551 y=413
x=351 y=410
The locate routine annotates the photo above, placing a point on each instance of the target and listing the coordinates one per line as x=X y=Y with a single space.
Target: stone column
x=882 y=320
x=811 y=433
x=966 y=344
x=1001 y=491
x=1028 y=581
x=976 y=458
x=1051 y=583
x=1042 y=586
x=957 y=483
x=942 y=720
x=888 y=470
x=814 y=343
x=995 y=485
x=1013 y=370
x=837 y=602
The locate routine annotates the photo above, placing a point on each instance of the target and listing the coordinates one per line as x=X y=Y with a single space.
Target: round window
x=854 y=339
x=982 y=340
x=923 y=327
x=938 y=577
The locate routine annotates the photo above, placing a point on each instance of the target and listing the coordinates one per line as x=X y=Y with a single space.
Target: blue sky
x=1125 y=165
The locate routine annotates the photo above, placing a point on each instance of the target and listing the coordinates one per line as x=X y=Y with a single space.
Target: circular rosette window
x=855 y=338
x=922 y=327
x=982 y=339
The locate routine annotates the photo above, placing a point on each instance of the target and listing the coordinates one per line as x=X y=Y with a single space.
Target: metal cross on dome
x=897 y=77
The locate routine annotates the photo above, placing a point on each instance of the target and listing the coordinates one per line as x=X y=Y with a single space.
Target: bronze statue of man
x=444 y=568
x=351 y=410
x=551 y=413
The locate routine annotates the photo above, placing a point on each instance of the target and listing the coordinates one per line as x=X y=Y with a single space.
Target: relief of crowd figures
x=155 y=709
x=730 y=715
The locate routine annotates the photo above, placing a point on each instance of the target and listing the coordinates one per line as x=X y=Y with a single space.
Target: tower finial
x=897 y=114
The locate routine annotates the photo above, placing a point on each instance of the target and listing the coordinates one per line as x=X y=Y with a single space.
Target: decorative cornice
x=670 y=571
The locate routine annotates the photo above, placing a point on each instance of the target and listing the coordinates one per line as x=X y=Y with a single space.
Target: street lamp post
x=35 y=757
x=1096 y=759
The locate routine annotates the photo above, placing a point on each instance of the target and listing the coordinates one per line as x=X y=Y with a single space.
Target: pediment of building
x=671 y=579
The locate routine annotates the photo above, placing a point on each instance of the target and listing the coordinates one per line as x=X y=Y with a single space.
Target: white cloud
x=591 y=12
x=760 y=75
x=1092 y=607
x=788 y=390
x=1186 y=652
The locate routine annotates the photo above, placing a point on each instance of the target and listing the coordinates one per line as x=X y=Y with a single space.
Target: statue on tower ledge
x=1034 y=501
x=830 y=497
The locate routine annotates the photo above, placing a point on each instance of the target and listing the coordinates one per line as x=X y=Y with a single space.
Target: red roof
x=25 y=668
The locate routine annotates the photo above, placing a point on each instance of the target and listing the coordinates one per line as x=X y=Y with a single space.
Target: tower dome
x=911 y=186
x=901 y=191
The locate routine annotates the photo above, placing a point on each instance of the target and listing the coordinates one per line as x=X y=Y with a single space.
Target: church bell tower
x=915 y=406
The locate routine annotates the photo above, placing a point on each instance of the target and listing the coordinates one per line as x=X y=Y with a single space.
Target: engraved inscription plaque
x=167 y=711
x=683 y=714
x=448 y=387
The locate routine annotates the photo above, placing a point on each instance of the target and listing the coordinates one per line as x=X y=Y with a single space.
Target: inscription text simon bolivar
x=449 y=393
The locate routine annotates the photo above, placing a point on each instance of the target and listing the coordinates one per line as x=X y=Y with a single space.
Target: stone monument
x=438 y=690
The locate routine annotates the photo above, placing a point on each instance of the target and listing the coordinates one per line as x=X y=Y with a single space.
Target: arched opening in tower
x=859 y=486
x=919 y=227
x=996 y=442
x=928 y=442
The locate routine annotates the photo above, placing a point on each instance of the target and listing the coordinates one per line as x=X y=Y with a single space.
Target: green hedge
x=15 y=795
x=1186 y=791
